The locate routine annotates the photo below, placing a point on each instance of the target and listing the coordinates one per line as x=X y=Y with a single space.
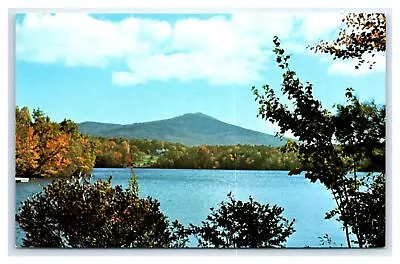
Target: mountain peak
x=189 y=129
x=196 y=114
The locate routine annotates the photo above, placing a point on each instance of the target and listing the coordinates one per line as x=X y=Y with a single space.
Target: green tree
x=331 y=147
x=74 y=213
x=237 y=224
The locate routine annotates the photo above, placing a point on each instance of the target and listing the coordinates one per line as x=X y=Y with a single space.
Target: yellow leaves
x=43 y=149
x=126 y=147
x=26 y=154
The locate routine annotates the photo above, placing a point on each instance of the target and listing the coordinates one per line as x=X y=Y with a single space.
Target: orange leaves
x=26 y=154
x=115 y=153
x=58 y=145
x=117 y=156
x=53 y=151
x=26 y=141
x=363 y=33
x=44 y=148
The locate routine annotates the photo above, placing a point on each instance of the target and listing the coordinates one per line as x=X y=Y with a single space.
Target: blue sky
x=141 y=67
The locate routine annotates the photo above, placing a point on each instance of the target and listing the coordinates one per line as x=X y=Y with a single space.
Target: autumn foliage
x=114 y=153
x=364 y=33
x=44 y=148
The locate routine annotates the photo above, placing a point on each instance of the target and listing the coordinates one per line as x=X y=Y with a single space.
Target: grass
x=145 y=160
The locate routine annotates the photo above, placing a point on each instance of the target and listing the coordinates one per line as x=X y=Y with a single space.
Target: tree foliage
x=119 y=152
x=331 y=148
x=363 y=33
x=123 y=153
x=245 y=157
x=48 y=149
x=237 y=224
x=26 y=142
x=74 y=213
x=111 y=153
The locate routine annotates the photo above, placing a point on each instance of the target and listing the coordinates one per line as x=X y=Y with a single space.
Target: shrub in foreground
x=237 y=224
x=75 y=213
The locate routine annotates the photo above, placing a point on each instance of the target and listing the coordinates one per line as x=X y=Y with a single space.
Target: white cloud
x=76 y=39
x=186 y=67
x=348 y=67
x=319 y=25
x=220 y=49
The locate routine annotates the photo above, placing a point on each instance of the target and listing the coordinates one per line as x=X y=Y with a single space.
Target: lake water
x=187 y=195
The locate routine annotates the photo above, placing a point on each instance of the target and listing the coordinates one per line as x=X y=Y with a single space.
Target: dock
x=19 y=179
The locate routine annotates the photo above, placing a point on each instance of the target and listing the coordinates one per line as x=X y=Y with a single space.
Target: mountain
x=189 y=129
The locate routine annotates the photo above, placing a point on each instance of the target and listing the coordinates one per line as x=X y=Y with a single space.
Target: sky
x=129 y=68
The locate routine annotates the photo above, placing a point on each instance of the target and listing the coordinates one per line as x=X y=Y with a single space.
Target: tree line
x=158 y=154
x=48 y=149
x=45 y=148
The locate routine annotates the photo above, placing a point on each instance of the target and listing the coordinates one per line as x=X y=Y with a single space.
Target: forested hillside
x=189 y=129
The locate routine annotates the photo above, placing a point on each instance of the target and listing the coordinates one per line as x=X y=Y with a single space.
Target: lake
x=187 y=195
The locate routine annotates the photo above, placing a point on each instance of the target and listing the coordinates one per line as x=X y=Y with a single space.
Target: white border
x=173 y=6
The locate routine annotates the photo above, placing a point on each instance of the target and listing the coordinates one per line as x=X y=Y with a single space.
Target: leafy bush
x=237 y=224
x=75 y=213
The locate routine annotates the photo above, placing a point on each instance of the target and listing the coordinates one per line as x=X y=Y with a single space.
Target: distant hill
x=189 y=129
